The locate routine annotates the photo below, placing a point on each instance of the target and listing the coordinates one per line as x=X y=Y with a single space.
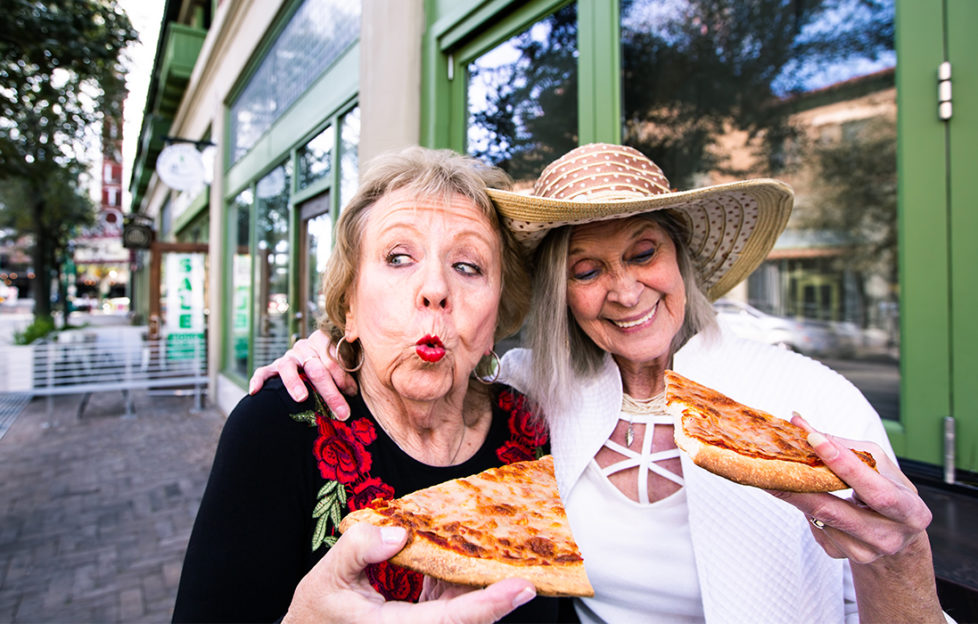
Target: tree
x=695 y=70
x=60 y=74
x=857 y=194
x=529 y=116
x=66 y=208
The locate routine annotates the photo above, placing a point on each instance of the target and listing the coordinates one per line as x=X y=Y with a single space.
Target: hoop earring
x=339 y=359
x=493 y=366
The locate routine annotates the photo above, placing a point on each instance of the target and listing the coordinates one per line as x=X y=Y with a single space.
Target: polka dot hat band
x=733 y=226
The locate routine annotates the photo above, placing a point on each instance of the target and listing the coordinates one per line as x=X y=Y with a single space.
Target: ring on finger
x=818 y=524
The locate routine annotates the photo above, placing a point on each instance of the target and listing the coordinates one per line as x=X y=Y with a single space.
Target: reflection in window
x=316 y=158
x=316 y=35
x=349 y=160
x=718 y=90
x=240 y=311
x=522 y=97
x=272 y=265
x=319 y=232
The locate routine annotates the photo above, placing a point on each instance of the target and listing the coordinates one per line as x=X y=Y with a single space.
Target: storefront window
x=716 y=91
x=316 y=158
x=316 y=35
x=240 y=309
x=272 y=265
x=522 y=97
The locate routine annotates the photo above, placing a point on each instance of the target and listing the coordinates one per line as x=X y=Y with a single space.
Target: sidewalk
x=95 y=513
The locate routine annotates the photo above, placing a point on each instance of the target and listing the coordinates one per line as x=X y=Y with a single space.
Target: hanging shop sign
x=181 y=166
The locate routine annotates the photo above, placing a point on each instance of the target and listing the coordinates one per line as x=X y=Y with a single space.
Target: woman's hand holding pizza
x=337 y=589
x=312 y=355
x=883 y=516
x=880 y=528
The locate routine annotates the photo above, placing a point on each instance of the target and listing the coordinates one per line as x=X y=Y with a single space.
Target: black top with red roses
x=283 y=477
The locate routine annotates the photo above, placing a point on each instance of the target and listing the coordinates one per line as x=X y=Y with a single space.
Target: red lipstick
x=430 y=349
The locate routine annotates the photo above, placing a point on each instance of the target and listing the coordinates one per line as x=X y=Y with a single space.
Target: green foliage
x=60 y=74
x=39 y=328
x=328 y=513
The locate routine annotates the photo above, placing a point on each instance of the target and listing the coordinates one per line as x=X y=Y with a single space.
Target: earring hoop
x=339 y=359
x=492 y=369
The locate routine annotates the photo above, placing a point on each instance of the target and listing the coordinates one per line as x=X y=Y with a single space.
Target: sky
x=145 y=16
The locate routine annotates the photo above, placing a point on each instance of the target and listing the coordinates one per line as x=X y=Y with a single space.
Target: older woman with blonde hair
x=422 y=282
x=624 y=271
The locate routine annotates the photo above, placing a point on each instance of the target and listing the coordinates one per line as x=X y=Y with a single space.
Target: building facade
x=285 y=99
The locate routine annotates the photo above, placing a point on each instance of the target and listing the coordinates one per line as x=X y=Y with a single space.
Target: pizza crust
x=771 y=474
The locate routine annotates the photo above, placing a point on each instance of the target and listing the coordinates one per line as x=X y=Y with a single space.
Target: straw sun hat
x=732 y=226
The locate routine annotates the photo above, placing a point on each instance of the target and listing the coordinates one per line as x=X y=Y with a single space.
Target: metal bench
x=87 y=362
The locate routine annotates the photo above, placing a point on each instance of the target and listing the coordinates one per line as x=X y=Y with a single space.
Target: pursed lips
x=639 y=321
x=430 y=349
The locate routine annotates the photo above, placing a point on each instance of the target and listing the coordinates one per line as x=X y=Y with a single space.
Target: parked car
x=743 y=319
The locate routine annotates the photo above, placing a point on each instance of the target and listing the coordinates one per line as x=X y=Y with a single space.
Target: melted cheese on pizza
x=530 y=528
x=717 y=419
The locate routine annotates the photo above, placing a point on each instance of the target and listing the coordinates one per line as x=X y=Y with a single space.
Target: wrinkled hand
x=883 y=516
x=337 y=590
x=312 y=355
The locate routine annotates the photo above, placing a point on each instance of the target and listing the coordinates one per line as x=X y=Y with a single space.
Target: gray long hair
x=563 y=355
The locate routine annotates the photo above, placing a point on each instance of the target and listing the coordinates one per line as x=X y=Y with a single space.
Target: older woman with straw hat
x=624 y=271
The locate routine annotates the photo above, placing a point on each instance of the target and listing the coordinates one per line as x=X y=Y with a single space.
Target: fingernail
x=300 y=393
x=524 y=597
x=825 y=448
x=391 y=535
x=342 y=413
x=251 y=388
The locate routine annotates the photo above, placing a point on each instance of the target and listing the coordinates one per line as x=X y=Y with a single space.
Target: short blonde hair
x=428 y=173
x=563 y=354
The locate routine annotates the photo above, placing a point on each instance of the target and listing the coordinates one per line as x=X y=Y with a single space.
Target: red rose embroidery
x=364 y=431
x=507 y=400
x=527 y=429
x=394 y=582
x=367 y=490
x=513 y=452
x=340 y=451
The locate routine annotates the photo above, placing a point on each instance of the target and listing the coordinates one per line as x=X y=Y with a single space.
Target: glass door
x=315 y=241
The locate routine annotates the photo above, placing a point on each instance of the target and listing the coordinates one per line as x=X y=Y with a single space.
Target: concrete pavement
x=95 y=513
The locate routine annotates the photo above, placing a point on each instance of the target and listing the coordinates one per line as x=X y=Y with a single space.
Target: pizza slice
x=503 y=522
x=744 y=444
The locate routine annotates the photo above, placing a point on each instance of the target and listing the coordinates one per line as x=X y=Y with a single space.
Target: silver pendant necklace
x=634 y=407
